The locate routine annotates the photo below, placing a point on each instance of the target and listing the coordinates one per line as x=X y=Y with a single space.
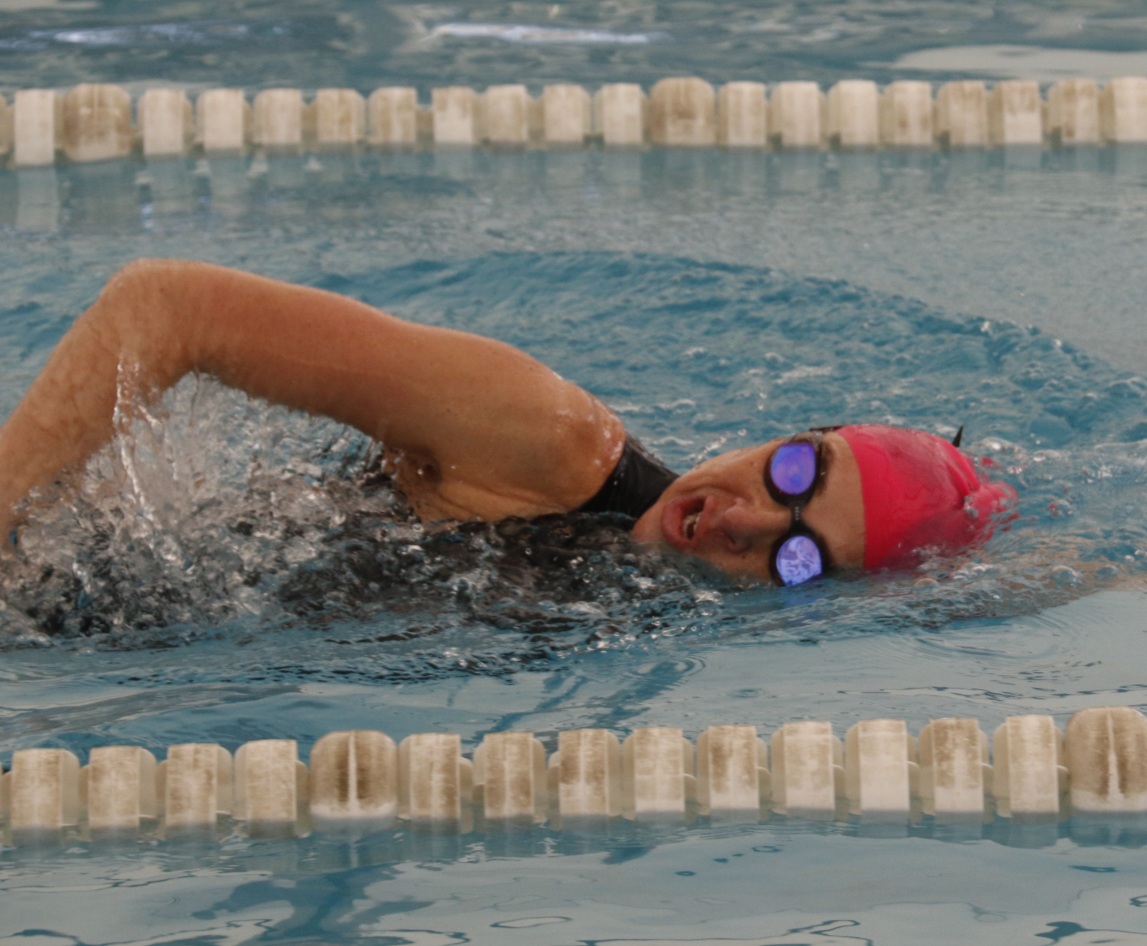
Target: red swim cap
x=919 y=493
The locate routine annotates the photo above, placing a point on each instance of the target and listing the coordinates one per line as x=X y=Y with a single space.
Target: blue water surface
x=713 y=300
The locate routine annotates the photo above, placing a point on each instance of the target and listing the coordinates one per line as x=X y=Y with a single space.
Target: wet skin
x=739 y=522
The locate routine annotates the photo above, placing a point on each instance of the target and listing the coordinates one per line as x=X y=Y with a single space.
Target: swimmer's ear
x=959 y=436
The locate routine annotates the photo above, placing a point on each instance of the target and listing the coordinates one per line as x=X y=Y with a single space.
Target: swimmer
x=475 y=429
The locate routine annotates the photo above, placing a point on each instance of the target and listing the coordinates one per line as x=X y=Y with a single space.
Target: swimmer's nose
x=748 y=525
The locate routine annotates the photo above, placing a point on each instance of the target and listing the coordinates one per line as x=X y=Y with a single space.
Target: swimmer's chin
x=647 y=529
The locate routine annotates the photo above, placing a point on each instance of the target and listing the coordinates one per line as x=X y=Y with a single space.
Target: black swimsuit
x=635 y=484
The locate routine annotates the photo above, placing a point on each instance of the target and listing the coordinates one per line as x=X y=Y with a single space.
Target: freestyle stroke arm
x=493 y=432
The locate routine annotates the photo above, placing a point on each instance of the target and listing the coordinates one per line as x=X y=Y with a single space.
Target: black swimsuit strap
x=635 y=484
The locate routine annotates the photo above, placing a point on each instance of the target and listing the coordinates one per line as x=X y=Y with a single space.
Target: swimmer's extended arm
x=493 y=432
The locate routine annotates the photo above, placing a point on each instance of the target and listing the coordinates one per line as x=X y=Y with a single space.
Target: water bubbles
x=1064 y=576
x=972 y=570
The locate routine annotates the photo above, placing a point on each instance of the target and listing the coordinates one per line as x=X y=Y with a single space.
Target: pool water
x=713 y=300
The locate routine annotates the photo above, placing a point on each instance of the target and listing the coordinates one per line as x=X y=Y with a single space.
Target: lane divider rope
x=98 y=122
x=361 y=781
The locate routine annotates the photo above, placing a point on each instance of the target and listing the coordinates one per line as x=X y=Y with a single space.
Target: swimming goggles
x=791 y=477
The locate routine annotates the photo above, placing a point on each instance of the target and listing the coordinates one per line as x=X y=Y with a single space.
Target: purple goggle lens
x=798 y=560
x=793 y=468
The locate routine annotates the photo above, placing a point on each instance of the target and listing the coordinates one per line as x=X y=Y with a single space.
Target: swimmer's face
x=722 y=513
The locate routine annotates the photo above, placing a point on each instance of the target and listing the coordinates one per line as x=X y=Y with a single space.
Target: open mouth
x=689 y=524
x=681 y=523
x=691 y=514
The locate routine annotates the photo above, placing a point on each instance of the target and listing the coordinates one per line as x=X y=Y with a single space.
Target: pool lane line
x=100 y=122
x=359 y=781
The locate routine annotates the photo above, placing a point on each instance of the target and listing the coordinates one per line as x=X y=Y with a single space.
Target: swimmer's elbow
x=136 y=316
x=130 y=295
x=133 y=281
